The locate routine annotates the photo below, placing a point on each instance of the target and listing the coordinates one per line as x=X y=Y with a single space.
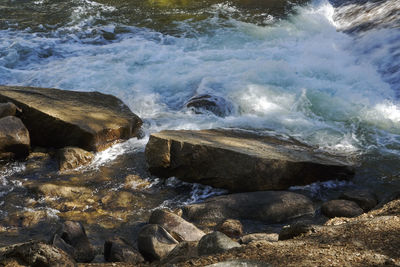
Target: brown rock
x=273 y=237
x=364 y=198
x=118 y=250
x=232 y=228
x=73 y=233
x=215 y=242
x=293 y=230
x=155 y=243
x=341 y=208
x=14 y=137
x=35 y=254
x=265 y=206
x=8 y=109
x=73 y=157
x=183 y=251
x=240 y=161
x=60 y=118
x=180 y=229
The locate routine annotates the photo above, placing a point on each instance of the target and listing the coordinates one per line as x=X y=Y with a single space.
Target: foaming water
x=297 y=77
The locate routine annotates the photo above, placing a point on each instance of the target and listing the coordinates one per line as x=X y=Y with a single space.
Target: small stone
x=232 y=228
x=273 y=237
x=215 y=242
x=73 y=157
x=341 y=208
x=290 y=231
x=8 y=109
x=14 y=137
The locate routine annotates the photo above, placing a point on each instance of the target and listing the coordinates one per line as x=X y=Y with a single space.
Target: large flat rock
x=59 y=118
x=240 y=161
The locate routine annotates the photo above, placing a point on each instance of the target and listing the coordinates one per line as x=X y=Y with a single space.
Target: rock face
x=341 y=208
x=240 y=161
x=209 y=103
x=73 y=157
x=117 y=250
x=155 y=243
x=180 y=229
x=75 y=240
x=34 y=254
x=267 y=206
x=214 y=243
x=14 y=137
x=8 y=109
x=59 y=118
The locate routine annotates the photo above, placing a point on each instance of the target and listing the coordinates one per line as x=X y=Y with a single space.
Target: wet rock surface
x=14 y=137
x=341 y=208
x=266 y=206
x=73 y=157
x=208 y=103
x=240 y=161
x=60 y=118
x=34 y=254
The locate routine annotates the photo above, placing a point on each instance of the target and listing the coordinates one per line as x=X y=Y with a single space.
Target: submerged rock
x=240 y=161
x=155 y=243
x=341 y=208
x=117 y=250
x=34 y=254
x=209 y=103
x=8 y=109
x=180 y=229
x=266 y=206
x=76 y=243
x=14 y=137
x=214 y=243
x=60 y=118
x=73 y=157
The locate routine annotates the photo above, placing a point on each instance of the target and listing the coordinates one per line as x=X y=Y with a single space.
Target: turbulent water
x=295 y=70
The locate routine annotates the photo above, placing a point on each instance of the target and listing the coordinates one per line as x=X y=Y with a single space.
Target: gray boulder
x=155 y=243
x=240 y=161
x=14 y=137
x=179 y=228
x=34 y=254
x=364 y=198
x=210 y=103
x=265 y=206
x=341 y=208
x=60 y=118
x=74 y=241
x=215 y=242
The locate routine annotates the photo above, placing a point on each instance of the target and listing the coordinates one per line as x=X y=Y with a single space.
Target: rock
x=183 y=251
x=240 y=161
x=136 y=182
x=209 y=103
x=364 y=198
x=73 y=157
x=265 y=206
x=8 y=109
x=341 y=208
x=215 y=242
x=14 y=137
x=273 y=237
x=239 y=263
x=290 y=231
x=35 y=254
x=180 y=229
x=64 y=191
x=232 y=228
x=60 y=118
x=74 y=235
x=155 y=243
x=117 y=250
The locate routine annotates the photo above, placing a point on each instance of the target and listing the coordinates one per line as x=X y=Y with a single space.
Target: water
x=287 y=69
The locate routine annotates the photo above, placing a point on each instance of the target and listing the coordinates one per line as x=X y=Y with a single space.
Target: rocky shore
x=259 y=222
